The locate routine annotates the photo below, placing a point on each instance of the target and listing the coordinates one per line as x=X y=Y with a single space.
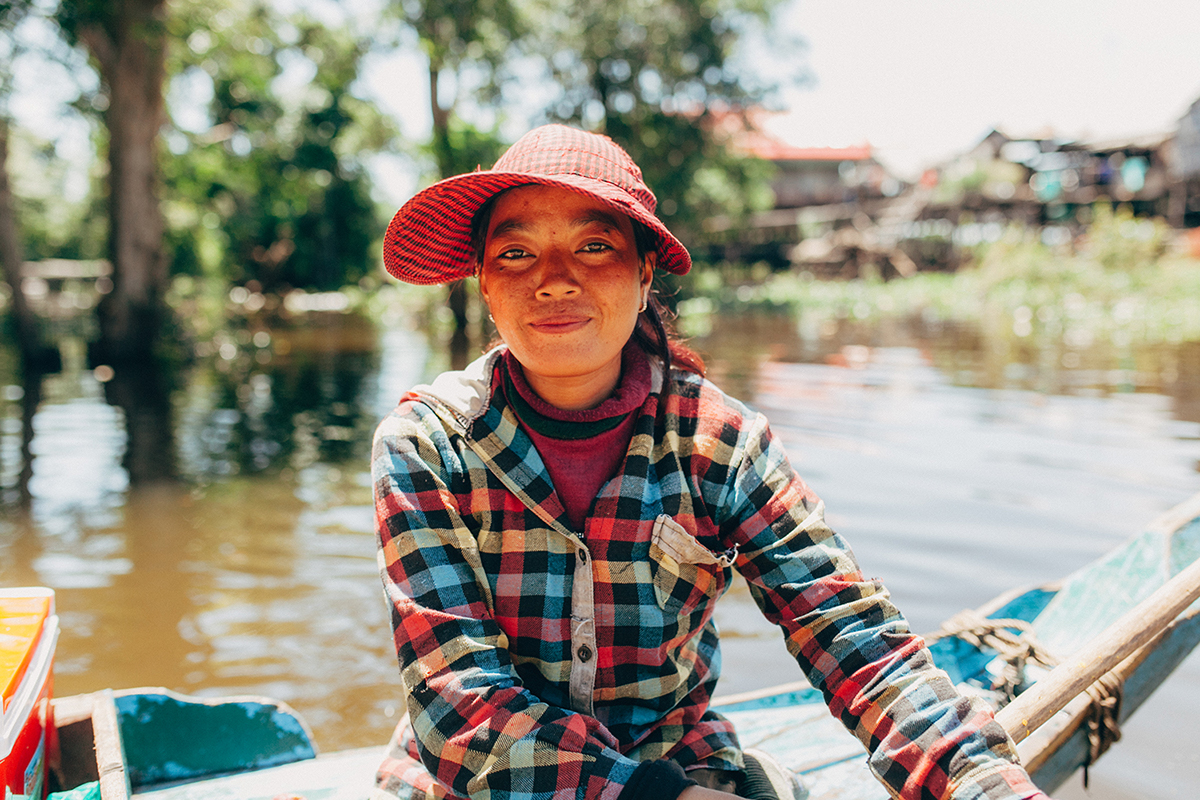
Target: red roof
x=772 y=149
x=758 y=142
x=766 y=146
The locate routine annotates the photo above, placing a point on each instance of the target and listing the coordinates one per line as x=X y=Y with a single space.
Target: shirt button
x=585 y=653
x=582 y=555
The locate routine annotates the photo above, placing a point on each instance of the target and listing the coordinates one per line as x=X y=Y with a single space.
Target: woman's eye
x=512 y=252
x=596 y=247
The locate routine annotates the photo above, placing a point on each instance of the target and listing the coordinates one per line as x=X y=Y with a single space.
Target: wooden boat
x=155 y=743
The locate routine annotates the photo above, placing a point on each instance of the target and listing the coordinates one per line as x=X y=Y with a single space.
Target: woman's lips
x=560 y=323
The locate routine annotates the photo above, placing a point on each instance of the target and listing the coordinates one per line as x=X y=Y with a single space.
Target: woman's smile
x=561 y=323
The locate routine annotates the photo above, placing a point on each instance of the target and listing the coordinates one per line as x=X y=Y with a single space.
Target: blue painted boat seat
x=171 y=738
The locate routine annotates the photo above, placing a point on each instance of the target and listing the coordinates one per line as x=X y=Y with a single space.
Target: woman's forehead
x=525 y=208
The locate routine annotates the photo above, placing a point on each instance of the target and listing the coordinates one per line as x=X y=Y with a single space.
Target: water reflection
x=306 y=399
x=967 y=355
x=254 y=572
x=73 y=476
x=143 y=394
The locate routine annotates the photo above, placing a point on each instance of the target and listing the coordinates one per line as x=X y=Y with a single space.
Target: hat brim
x=429 y=239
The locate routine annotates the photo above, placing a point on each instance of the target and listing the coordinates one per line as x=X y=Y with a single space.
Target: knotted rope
x=1017 y=649
x=1020 y=648
x=1103 y=727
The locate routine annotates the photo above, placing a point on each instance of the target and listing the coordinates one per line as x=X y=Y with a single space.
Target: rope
x=1020 y=648
x=1103 y=727
x=1017 y=649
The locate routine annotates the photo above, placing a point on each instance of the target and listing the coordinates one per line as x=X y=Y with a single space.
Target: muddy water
x=255 y=572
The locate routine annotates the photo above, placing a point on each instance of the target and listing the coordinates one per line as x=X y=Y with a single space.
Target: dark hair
x=653 y=331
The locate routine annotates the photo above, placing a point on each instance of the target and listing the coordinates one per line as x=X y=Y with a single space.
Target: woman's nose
x=558 y=278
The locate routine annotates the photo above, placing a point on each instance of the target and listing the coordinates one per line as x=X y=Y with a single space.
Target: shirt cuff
x=656 y=780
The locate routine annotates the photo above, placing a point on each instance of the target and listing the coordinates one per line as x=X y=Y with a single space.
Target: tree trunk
x=12 y=258
x=129 y=44
x=441 y=123
x=444 y=156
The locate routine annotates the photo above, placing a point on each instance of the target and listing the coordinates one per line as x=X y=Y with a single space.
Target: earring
x=645 y=303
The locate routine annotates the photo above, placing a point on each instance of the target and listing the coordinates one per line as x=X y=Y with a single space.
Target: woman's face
x=564 y=283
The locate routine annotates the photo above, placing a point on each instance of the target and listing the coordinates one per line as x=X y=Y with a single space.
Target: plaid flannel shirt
x=539 y=661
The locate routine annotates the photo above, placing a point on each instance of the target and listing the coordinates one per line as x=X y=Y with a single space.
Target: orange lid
x=21 y=622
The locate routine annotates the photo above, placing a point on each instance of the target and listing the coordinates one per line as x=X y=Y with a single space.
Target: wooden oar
x=1136 y=627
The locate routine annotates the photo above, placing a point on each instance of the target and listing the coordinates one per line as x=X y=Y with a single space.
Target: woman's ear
x=649 y=262
x=483 y=292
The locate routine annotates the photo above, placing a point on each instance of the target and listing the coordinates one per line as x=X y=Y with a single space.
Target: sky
x=920 y=80
x=924 y=79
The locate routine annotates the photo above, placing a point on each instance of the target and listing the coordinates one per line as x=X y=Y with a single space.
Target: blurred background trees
x=21 y=323
x=265 y=183
x=127 y=42
x=662 y=79
x=236 y=137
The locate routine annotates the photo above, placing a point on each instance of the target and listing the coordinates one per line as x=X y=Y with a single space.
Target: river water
x=956 y=475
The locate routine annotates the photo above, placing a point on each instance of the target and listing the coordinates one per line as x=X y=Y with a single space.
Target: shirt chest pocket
x=686 y=573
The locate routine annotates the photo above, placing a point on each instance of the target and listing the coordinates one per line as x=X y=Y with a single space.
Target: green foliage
x=12 y=13
x=74 y=15
x=660 y=79
x=274 y=190
x=463 y=148
x=1118 y=282
x=49 y=224
x=1118 y=241
x=461 y=34
x=470 y=41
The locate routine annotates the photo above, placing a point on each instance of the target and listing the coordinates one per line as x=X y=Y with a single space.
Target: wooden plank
x=348 y=775
x=72 y=709
x=76 y=762
x=110 y=755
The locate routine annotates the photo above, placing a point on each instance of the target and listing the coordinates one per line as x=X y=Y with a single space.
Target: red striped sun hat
x=429 y=239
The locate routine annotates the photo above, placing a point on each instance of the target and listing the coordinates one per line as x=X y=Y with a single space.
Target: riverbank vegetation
x=1121 y=282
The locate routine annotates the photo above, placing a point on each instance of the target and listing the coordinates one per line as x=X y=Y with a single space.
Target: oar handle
x=1136 y=627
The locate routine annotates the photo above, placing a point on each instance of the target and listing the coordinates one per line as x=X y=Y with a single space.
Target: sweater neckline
x=557 y=423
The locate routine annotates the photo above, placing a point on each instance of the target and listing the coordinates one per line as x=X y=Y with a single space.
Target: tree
x=272 y=187
x=468 y=44
x=12 y=255
x=127 y=41
x=660 y=78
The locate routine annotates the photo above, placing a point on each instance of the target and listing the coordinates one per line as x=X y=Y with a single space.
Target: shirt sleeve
x=479 y=731
x=924 y=739
x=656 y=780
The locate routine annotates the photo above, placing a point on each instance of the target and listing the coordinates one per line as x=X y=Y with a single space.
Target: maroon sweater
x=582 y=450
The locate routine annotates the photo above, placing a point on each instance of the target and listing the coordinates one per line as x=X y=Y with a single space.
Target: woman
x=557 y=521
